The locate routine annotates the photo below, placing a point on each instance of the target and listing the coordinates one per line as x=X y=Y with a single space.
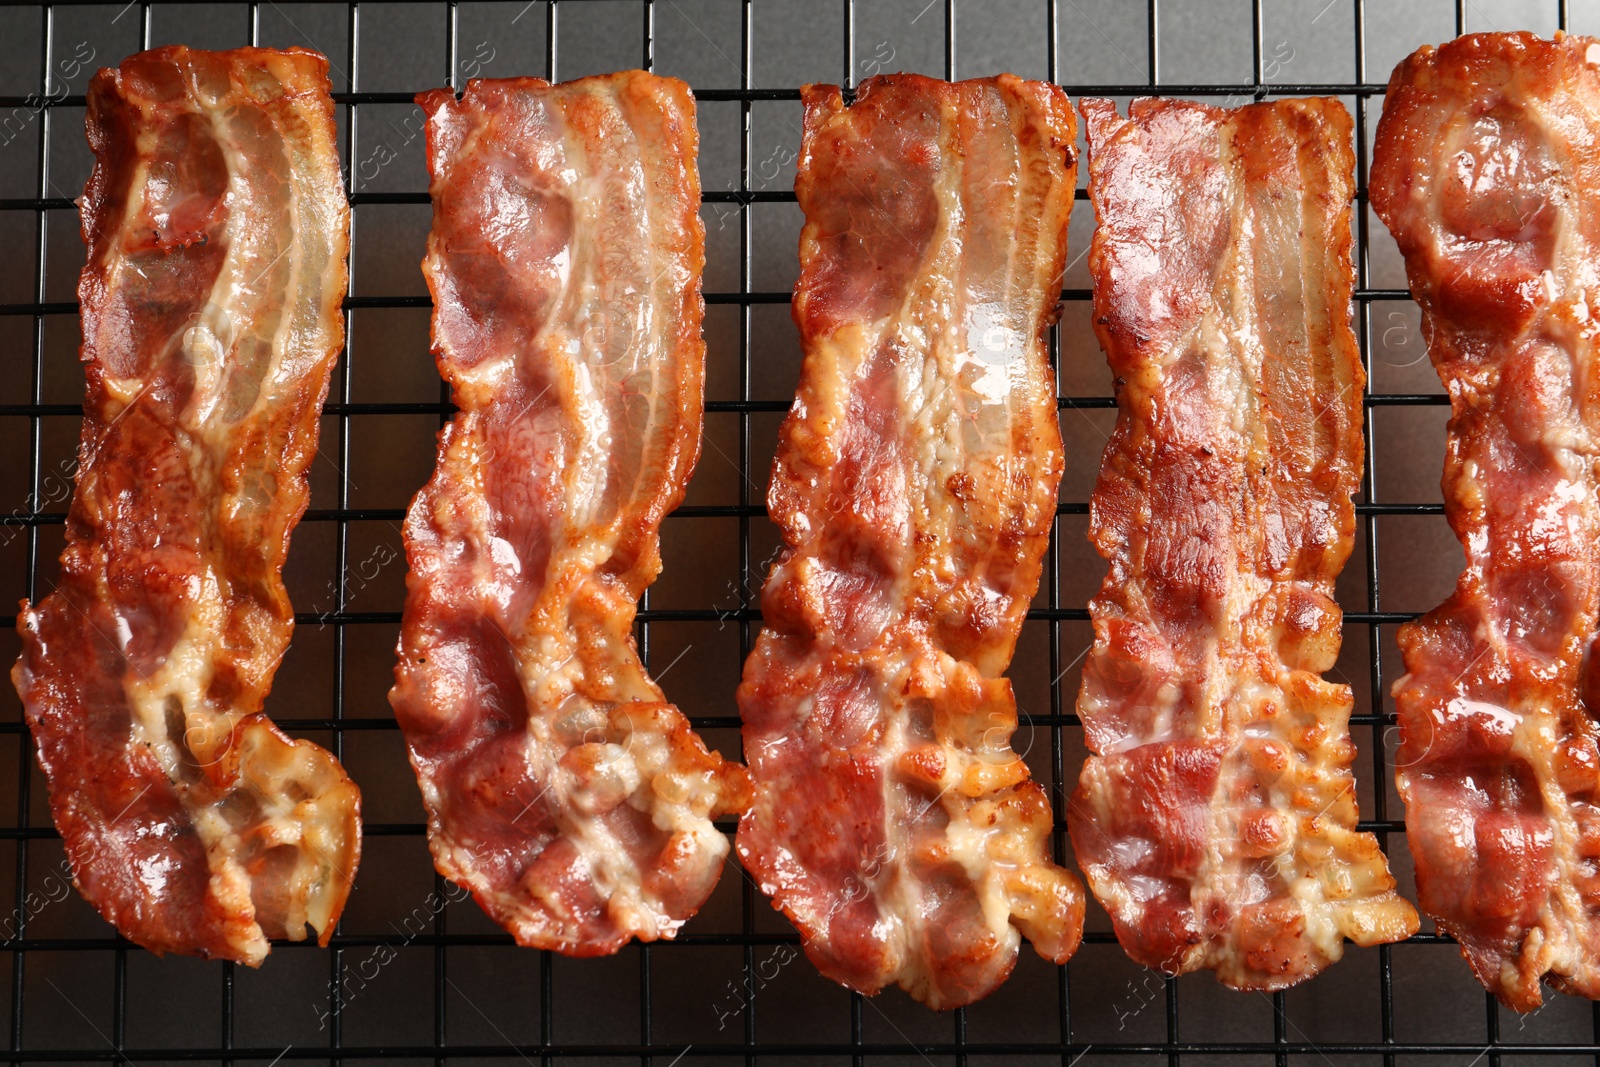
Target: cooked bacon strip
x=1487 y=171
x=1216 y=821
x=915 y=484
x=565 y=264
x=217 y=232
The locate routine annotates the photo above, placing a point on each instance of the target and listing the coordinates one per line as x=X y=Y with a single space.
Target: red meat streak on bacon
x=565 y=263
x=915 y=485
x=217 y=231
x=1485 y=169
x=1216 y=818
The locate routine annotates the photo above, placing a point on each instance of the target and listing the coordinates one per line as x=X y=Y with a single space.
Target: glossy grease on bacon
x=1486 y=169
x=217 y=231
x=915 y=485
x=1215 y=819
x=564 y=261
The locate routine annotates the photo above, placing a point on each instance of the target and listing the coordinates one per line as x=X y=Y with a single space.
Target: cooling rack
x=415 y=973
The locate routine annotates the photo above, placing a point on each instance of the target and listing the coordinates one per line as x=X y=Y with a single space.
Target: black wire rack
x=650 y=1004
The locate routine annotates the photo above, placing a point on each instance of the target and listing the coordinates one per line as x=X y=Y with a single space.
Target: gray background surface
x=79 y=992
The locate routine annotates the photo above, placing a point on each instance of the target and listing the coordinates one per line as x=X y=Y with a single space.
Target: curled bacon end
x=1486 y=169
x=217 y=231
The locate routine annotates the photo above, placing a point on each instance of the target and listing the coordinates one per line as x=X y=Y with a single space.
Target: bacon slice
x=565 y=263
x=1216 y=821
x=217 y=232
x=915 y=484
x=1486 y=170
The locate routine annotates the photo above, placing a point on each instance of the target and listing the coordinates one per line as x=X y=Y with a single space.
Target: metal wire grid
x=646 y=1049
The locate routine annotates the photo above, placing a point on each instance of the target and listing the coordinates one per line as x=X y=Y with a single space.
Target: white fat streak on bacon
x=1216 y=820
x=565 y=260
x=257 y=355
x=915 y=485
x=1485 y=168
